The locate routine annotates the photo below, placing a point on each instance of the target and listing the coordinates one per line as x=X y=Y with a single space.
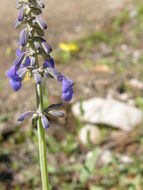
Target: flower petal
x=44 y=121
x=16 y=85
x=56 y=113
x=25 y=115
x=37 y=77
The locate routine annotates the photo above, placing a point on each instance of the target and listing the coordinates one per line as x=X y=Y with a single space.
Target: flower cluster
x=31 y=46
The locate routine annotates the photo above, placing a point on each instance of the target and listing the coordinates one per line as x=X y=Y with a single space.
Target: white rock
x=125 y=159
x=109 y=112
x=106 y=157
x=89 y=132
x=136 y=84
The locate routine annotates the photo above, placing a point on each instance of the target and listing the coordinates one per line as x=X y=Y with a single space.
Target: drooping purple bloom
x=21 y=15
x=22 y=72
x=11 y=73
x=44 y=121
x=41 y=23
x=23 y=37
x=15 y=84
x=19 y=58
x=27 y=60
x=46 y=47
x=17 y=72
x=37 y=77
x=56 y=113
x=17 y=23
x=49 y=63
x=25 y=115
x=67 y=90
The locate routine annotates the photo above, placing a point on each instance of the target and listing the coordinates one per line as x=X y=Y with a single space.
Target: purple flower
x=15 y=84
x=67 y=90
x=19 y=58
x=44 y=121
x=21 y=15
x=23 y=37
x=47 y=48
x=37 y=77
x=16 y=73
x=41 y=23
x=15 y=80
x=27 y=60
x=49 y=63
x=11 y=73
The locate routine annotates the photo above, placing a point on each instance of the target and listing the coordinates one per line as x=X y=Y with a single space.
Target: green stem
x=41 y=140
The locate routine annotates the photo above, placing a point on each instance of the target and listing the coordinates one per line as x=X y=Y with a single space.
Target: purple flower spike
x=21 y=15
x=44 y=121
x=67 y=91
x=15 y=84
x=41 y=23
x=37 y=77
x=23 y=37
x=49 y=63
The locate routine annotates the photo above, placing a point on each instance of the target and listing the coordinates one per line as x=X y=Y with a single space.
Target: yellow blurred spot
x=28 y=77
x=8 y=51
x=68 y=47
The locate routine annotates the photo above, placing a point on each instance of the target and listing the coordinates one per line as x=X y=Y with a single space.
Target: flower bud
x=21 y=72
x=67 y=91
x=17 y=24
x=25 y=115
x=37 y=77
x=41 y=23
x=56 y=113
x=44 y=121
x=49 y=63
x=15 y=85
x=21 y=15
x=23 y=37
x=46 y=47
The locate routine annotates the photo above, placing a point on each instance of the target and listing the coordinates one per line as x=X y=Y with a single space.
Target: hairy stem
x=41 y=140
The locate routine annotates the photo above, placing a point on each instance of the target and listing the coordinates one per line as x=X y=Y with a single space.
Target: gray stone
x=109 y=112
x=91 y=133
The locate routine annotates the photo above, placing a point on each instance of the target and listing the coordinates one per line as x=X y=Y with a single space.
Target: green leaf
x=89 y=165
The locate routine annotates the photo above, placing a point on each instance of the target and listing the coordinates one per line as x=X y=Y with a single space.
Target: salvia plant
x=33 y=46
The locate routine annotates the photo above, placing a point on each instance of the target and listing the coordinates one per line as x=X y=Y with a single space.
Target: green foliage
x=89 y=166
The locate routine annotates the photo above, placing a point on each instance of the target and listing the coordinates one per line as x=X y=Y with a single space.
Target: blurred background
x=99 y=144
